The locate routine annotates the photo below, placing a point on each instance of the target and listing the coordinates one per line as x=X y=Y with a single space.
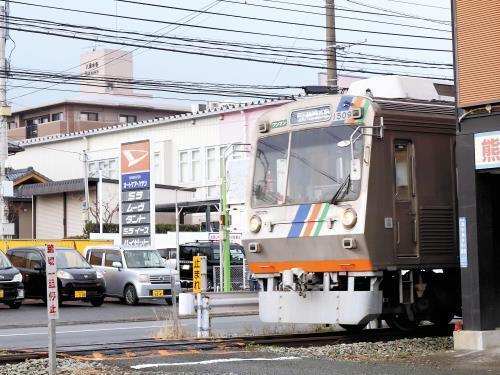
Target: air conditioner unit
x=198 y=107
x=213 y=106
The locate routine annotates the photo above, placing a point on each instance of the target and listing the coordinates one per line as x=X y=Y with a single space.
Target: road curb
x=128 y=320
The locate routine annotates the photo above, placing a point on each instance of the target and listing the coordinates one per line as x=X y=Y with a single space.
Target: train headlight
x=349 y=218
x=255 y=224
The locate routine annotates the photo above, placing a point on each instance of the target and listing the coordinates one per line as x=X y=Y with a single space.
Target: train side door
x=406 y=236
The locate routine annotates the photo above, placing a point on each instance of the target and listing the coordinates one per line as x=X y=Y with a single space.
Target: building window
x=57 y=116
x=190 y=166
x=157 y=165
x=12 y=125
x=128 y=118
x=109 y=168
x=89 y=116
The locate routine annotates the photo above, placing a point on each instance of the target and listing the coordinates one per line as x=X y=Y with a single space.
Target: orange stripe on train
x=312 y=219
x=359 y=265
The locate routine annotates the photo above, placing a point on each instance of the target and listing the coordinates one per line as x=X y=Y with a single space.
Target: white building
x=187 y=150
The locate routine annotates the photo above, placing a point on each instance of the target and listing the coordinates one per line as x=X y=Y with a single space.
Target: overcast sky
x=50 y=53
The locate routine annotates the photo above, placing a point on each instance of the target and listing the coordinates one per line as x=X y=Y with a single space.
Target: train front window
x=270 y=171
x=318 y=166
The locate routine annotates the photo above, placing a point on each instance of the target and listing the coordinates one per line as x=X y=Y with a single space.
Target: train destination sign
x=137 y=203
x=317 y=114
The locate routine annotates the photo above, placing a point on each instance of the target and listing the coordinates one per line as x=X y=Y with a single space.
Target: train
x=352 y=208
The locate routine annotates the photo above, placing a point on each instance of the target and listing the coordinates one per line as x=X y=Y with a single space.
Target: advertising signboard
x=487 y=150
x=137 y=195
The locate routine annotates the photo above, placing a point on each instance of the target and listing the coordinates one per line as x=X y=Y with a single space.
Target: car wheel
x=130 y=295
x=96 y=302
x=15 y=305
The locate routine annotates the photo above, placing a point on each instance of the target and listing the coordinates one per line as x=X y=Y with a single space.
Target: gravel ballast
x=64 y=367
x=404 y=349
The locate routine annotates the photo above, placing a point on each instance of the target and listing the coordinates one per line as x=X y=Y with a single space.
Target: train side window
x=402 y=168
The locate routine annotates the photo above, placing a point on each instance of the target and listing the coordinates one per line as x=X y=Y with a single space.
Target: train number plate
x=1 y=293
x=157 y=293
x=80 y=293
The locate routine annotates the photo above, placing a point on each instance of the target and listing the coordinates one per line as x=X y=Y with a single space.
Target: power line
x=200 y=53
x=262 y=34
x=254 y=49
x=280 y=21
x=222 y=29
x=394 y=12
x=337 y=16
x=419 y=4
x=188 y=18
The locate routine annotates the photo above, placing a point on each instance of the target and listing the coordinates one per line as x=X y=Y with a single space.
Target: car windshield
x=70 y=258
x=315 y=170
x=236 y=253
x=4 y=262
x=143 y=259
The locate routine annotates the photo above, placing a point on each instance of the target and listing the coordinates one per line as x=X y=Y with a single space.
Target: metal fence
x=239 y=277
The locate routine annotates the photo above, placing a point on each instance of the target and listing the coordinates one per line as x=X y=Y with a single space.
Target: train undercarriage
x=402 y=298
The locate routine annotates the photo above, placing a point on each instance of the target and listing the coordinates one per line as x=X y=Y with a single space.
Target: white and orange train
x=352 y=211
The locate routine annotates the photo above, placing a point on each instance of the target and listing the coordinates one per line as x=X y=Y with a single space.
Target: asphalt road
x=258 y=363
x=84 y=334
x=34 y=312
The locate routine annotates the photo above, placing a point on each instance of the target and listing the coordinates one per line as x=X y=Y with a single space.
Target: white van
x=133 y=274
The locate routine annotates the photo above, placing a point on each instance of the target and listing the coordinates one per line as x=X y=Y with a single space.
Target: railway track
x=151 y=346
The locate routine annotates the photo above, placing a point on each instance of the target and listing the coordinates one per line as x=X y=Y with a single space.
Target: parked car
x=11 y=284
x=210 y=249
x=77 y=280
x=133 y=274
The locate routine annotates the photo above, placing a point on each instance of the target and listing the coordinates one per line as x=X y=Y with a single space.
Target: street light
x=224 y=218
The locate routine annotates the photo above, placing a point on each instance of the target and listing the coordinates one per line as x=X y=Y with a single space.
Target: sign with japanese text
x=233 y=237
x=51 y=270
x=487 y=150
x=197 y=274
x=137 y=195
x=462 y=235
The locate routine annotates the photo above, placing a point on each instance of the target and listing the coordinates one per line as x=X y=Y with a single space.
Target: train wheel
x=401 y=322
x=353 y=327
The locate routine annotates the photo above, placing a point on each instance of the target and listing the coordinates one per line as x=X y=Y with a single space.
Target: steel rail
x=289 y=340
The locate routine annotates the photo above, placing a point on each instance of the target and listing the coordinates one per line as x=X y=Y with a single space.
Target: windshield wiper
x=340 y=193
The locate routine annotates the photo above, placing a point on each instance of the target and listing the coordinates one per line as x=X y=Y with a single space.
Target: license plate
x=157 y=293
x=1 y=293
x=80 y=293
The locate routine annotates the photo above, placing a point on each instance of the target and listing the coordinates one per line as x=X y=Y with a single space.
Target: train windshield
x=316 y=168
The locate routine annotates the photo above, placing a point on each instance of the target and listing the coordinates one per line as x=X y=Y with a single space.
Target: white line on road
x=82 y=331
x=212 y=361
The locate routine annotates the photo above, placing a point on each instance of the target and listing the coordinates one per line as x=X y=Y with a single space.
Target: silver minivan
x=133 y=274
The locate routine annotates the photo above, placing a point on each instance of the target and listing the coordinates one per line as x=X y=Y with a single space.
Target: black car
x=210 y=249
x=77 y=280
x=11 y=284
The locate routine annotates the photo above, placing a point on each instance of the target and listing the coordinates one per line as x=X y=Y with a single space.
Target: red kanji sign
x=51 y=271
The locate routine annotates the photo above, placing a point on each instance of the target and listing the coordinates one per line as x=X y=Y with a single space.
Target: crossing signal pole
x=331 y=48
x=4 y=112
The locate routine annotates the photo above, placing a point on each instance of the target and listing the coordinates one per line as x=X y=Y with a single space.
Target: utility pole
x=4 y=112
x=86 y=203
x=331 y=48
x=225 y=253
